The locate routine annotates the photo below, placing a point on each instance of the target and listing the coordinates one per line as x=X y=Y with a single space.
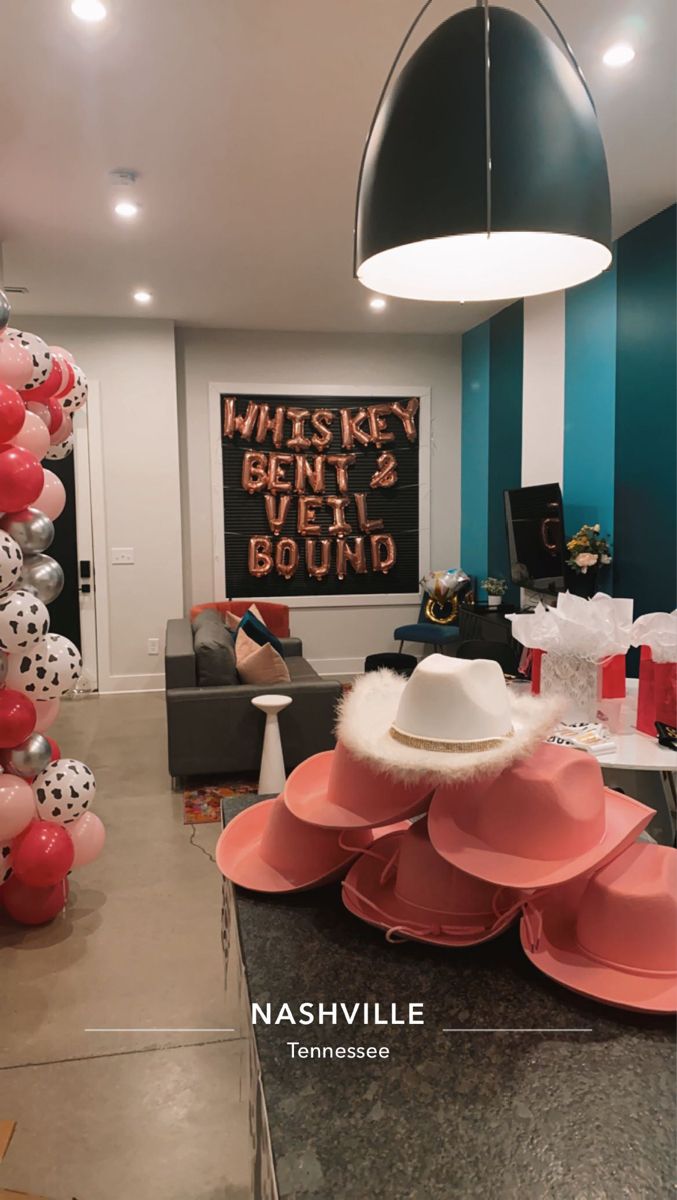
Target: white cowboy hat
x=452 y=719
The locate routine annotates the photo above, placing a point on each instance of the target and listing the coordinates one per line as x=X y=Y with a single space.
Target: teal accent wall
x=491 y=443
x=645 y=521
x=590 y=403
x=475 y=451
x=506 y=335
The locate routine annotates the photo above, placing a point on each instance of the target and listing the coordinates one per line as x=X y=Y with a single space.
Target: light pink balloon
x=65 y=430
x=16 y=364
x=33 y=435
x=46 y=713
x=40 y=410
x=52 y=498
x=88 y=835
x=17 y=806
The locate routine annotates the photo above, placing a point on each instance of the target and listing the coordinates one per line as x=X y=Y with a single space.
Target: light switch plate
x=122 y=556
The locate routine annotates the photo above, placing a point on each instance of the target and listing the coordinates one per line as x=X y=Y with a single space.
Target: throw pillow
x=208 y=616
x=233 y=621
x=259 y=632
x=215 y=655
x=259 y=664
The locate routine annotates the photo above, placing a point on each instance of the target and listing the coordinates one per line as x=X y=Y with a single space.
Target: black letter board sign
x=320 y=495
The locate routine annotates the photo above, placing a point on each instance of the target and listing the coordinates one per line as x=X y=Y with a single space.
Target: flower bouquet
x=588 y=549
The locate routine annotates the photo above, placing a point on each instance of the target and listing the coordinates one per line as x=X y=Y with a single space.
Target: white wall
x=134 y=364
x=543 y=390
x=335 y=639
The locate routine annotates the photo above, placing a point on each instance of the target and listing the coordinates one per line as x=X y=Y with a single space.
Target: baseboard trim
x=131 y=683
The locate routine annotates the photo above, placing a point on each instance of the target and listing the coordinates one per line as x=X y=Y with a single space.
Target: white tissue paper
x=659 y=631
x=592 y=629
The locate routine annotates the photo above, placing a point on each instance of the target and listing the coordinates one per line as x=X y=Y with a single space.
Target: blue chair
x=428 y=632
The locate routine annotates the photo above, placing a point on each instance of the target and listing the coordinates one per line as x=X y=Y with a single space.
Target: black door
x=64 y=612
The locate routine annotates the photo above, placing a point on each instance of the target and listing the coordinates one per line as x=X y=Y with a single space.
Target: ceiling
x=246 y=119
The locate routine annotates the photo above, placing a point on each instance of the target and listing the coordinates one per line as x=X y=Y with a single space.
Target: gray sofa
x=217 y=730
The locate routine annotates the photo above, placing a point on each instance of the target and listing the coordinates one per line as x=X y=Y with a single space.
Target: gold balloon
x=341 y=463
x=351 y=430
x=407 y=414
x=386 y=474
x=277 y=465
x=286 y=557
x=365 y=524
x=318 y=570
x=260 y=556
x=354 y=556
x=338 y=504
x=234 y=423
x=277 y=508
x=320 y=420
x=254 y=473
x=383 y=552
x=378 y=427
x=298 y=418
x=273 y=425
x=314 y=475
x=306 y=521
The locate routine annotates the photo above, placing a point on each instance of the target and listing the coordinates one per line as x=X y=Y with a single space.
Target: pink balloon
x=40 y=410
x=52 y=498
x=88 y=835
x=17 y=806
x=46 y=713
x=33 y=435
x=63 y=352
x=16 y=364
x=65 y=430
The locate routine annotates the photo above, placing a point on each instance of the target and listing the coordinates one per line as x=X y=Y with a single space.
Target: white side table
x=272 y=777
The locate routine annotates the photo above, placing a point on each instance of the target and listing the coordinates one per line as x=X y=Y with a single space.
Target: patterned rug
x=202 y=805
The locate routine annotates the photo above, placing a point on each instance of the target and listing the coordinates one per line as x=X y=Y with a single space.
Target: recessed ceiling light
x=126 y=209
x=88 y=10
x=142 y=296
x=377 y=303
x=619 y=55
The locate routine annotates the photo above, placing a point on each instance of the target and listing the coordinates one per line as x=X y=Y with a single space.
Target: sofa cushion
x=259 y=633
x=233 y=621
x=215 y=655
x=276 y=616
x=299 y=668
x=259 y=664
x=208 y=617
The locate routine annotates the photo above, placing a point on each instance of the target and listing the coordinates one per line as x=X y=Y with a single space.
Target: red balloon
x=21 y=478
x=50 y=386
x=54 y=747
x=67 y=373
x=17 y=718
x=43 y=854
x=11 y=415
x=55 y=413
x=31 y=905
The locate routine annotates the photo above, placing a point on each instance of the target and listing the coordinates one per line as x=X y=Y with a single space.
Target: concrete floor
x=139 y=1116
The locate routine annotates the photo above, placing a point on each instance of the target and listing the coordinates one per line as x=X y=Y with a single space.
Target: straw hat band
x=444 y=747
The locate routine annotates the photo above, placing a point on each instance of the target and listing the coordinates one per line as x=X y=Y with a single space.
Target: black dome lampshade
x=484 y=175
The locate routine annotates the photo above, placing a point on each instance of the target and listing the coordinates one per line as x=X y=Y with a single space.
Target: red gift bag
x=612 y=683
x=657 y=697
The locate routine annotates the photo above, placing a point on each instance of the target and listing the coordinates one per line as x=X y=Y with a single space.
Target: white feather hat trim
x=369 y=711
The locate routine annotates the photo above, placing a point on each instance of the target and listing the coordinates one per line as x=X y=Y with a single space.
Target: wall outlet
x=122 y=556
x=153 y=645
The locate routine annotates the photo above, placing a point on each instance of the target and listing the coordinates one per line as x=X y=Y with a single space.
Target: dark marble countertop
x=449 y=1115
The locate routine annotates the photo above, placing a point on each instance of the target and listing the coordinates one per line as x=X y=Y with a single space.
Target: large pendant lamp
x=484 y=175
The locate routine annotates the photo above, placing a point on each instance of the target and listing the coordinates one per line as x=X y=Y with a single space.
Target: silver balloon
x=31 y=529
x=43 y=576
x=31 y=757
x=5 y=310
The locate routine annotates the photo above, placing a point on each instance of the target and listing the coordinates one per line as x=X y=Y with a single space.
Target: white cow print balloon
x=61 y=449
x=24 y=621
x=48 y=670
x=11 y=562
x=77 y=397
x=64 y=791
x=5 y=862
x=39 y=352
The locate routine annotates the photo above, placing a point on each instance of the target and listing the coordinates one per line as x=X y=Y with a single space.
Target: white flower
x=605 y=558
x=585 y=560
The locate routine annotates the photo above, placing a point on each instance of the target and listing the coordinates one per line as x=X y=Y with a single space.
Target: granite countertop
x=450 y=1116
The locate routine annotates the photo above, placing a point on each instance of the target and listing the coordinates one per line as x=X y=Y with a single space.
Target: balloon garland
x=46 y=826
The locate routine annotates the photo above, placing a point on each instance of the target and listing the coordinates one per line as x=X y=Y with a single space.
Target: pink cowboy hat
x=403 y=886
x=541 y=822
x=335 y=790
x=267 y=849
x=614 y=938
